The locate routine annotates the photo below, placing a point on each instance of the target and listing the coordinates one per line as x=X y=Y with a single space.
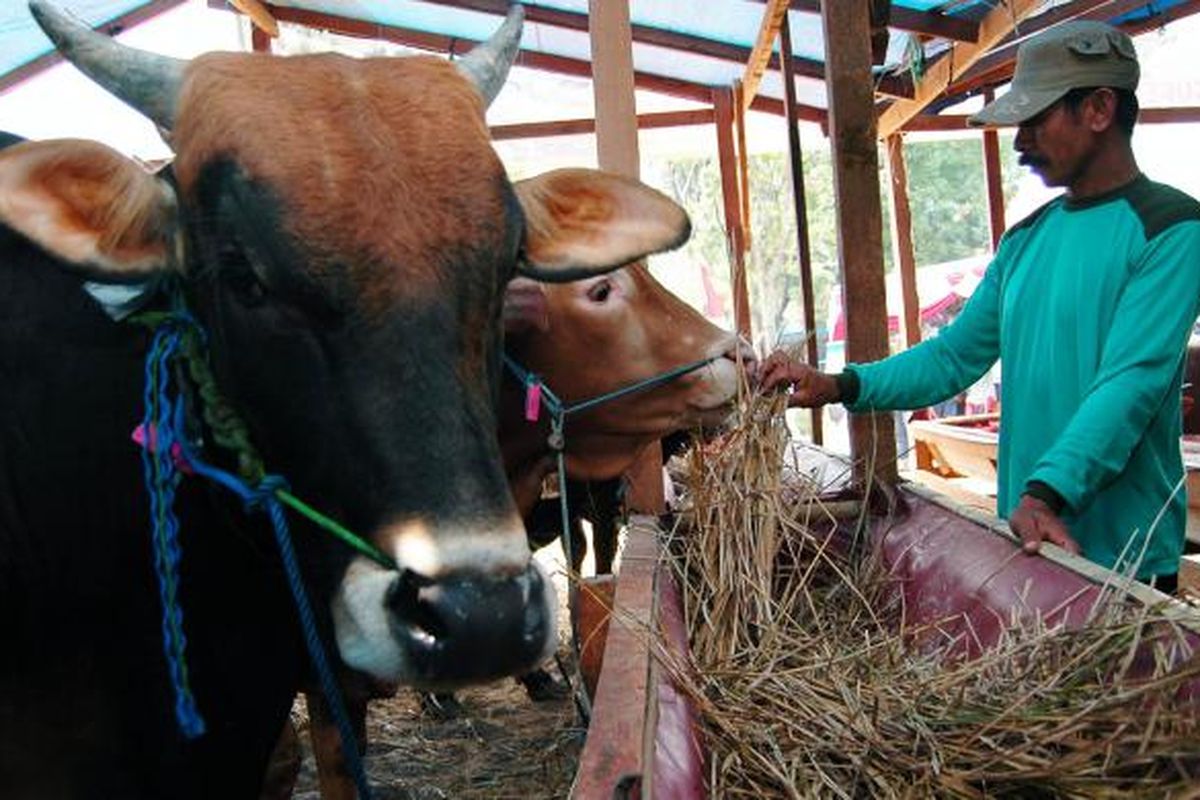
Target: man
x=1088 y=303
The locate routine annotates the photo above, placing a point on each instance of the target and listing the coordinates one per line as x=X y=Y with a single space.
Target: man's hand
x=809 y=387
x=1035 y=522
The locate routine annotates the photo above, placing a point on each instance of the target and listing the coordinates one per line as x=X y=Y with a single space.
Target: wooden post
x=617 y=151
x=743 y=163
x=803 y=250
x=735 y=232
x=902 y=241
x=852 y=132
x=995 y=182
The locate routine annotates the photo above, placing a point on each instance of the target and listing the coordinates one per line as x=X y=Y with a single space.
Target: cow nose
x=469 y=629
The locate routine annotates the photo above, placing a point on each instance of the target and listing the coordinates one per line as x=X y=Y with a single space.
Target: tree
x=949 y=209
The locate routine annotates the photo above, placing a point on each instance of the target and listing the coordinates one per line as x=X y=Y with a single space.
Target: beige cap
x=1069 y=56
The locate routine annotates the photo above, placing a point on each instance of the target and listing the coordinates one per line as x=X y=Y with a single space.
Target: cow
x=341 y=231
x=583 y=339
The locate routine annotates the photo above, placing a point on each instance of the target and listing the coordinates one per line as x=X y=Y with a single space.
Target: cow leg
x=440 y=705
x=542 y=687
x=284 y=767
x=333 y=776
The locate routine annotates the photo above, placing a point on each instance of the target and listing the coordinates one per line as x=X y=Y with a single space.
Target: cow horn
x=148 y=82
x=487 y=65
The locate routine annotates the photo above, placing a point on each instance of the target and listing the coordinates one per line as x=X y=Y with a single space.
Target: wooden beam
x=852 y=134
x=800 y=206
x=259 y=15
x=743 y=164
x=927 y=23
x=994 y=180
x=892 y=85
x=995 y=25
x=114 y=27
x=958 y=122
x=617 y=151
x=574 y=127
x=735 y=234
x=902 y=241
x=1002 y=58
x=438 y=43
x=764 y=45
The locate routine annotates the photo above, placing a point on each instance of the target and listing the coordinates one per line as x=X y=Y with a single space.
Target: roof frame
x=926 y=23
x=457 y=46
x=895 y=86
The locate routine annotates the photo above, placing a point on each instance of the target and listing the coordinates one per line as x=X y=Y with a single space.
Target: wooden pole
x=995 y=183
x=803 y=249
x=853 y=135
x=735 y=234
x=743 y=164
x=902 y=241
x=617 y=151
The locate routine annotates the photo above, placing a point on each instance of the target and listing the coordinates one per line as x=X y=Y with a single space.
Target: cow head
x=594 y=336
x=344 y=231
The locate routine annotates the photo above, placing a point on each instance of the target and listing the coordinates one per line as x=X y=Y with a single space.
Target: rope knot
x=265 y=493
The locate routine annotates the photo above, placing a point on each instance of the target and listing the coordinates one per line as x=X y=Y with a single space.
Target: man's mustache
x=1027 y=160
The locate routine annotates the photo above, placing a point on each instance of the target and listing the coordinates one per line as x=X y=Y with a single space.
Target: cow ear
x=90 y=206
x=581 y=222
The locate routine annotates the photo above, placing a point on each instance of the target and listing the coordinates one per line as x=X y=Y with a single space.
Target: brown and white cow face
x=343 y=230
x=600 y=334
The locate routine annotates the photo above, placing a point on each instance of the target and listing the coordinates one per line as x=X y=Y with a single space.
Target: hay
x=806 y=688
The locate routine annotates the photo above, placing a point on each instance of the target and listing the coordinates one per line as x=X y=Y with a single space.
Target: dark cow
x=342 y=230
x=585 y=339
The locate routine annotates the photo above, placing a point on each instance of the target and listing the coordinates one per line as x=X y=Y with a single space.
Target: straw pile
x=806 y=687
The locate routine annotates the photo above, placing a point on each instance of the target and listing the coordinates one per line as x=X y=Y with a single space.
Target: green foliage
x=947 y=195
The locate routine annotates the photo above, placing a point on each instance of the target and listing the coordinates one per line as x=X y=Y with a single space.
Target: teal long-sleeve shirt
x=1089 y=305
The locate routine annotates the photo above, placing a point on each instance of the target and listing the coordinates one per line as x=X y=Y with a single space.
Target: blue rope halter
x=538 y=394
x=168 y=453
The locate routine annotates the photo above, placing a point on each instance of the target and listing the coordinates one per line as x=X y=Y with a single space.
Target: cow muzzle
x=445 y=633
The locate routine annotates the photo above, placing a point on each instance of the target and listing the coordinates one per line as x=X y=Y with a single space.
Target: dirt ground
x=504 y=745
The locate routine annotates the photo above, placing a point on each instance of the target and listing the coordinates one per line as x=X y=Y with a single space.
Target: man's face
x=1058 y=144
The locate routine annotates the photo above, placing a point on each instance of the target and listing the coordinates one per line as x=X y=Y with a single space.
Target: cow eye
x=599 y=292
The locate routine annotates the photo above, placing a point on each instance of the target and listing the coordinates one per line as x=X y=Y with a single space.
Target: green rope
x=333 y=526
x=231 y=433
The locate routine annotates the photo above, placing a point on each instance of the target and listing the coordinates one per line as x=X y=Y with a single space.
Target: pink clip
x=533 y=401
x=151 y=443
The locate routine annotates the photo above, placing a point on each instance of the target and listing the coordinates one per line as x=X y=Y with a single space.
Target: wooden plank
x=895 y=85
x=928 y=23
x=999 y=62
x=764 y=44
x=614 y=751
x=1147 y=116
x=259 y=15
x=743 y=164
x=617 y=151
x=993 y=179
x=902 y=241
x=800 y=206
x=852 y=135
x=735 y=237
x=574 y=127
x=995 y=25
